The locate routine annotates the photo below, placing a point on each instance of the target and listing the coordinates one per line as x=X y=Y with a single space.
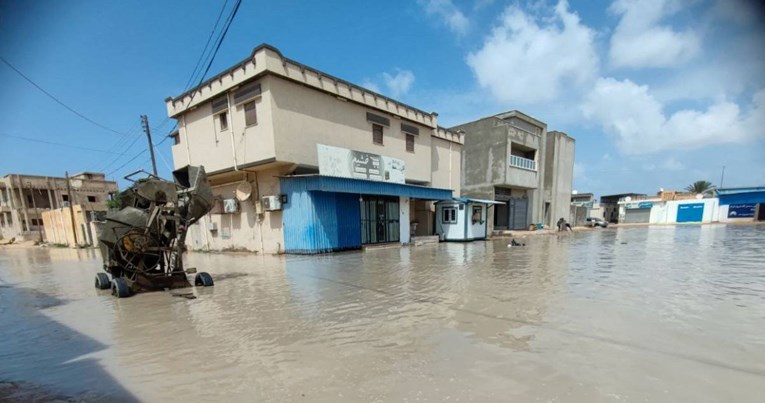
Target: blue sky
x=657 y=93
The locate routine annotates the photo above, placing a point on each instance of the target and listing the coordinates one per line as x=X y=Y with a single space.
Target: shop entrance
x=379 y=219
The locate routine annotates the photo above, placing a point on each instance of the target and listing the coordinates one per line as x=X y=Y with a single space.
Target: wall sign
x=645 y=205
x=741 y=210
x=336 y=161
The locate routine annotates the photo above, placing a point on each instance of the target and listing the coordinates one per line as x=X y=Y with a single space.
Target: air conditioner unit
x=271 y=203
x=213 y=227
x=65 y=204
x=230 y=206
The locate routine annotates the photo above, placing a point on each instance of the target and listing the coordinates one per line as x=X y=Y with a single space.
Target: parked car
x=596 y=222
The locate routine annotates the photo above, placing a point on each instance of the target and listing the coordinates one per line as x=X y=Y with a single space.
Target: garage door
x=518 y=213
x=690 y=212
x=637 y=215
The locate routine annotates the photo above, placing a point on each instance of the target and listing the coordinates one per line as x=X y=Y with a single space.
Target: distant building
x=741 y=204
x=23 y=199
x=583 y=206
x=610 y=205
x=305 y=162
x=512 y=158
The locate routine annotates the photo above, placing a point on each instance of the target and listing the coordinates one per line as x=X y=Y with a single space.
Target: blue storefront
x=327 y=214
x=742 y=203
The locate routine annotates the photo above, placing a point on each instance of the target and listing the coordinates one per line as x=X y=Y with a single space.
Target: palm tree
x=701 y=187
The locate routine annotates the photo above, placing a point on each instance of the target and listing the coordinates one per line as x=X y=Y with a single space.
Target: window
x=223 y=121
x=410 y=142
x=92 y=199
x=449 y=215
x=29 y=199
x=250 y=114
x=377 y=134
x=65 y=198
x=477 y=215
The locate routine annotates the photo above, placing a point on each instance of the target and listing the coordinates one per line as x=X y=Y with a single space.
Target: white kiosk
x=462 y=219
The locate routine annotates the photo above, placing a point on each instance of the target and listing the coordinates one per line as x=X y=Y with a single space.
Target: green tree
x=701 y=187
x=114 y=203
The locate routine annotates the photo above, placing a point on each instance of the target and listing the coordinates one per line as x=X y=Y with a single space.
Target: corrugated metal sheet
x=359 y=186
x=746 y=197
x=320 y=222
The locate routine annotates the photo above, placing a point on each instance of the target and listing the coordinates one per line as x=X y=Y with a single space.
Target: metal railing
x=523 y=163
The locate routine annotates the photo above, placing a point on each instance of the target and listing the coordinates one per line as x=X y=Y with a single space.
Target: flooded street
x=629 y=314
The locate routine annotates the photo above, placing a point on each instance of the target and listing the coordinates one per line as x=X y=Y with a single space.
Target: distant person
x=563 y=225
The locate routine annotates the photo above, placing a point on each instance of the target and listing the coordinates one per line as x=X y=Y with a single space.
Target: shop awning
x=320 y=183
x=472 y=200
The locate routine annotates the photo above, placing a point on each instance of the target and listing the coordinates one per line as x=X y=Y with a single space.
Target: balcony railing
x=523 y=163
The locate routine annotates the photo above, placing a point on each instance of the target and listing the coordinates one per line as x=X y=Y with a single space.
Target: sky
x=657 y=93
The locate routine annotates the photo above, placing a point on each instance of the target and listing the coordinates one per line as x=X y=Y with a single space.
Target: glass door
x=379 y=219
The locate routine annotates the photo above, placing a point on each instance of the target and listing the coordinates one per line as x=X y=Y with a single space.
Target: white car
x=596 y=222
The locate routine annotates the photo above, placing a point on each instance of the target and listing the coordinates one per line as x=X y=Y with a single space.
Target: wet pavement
x=629 y=314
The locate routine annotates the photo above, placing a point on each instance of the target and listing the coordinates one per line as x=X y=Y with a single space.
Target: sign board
x=645 y=205
x=344 y=163
x=741 y=210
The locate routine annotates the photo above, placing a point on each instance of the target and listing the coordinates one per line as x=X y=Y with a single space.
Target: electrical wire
x=58 y=100
x=202 y=56
x=221 y=37
x=57 y=144
x=127 y=162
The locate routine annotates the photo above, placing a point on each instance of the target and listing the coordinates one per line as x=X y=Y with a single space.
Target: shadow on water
x=43 y=360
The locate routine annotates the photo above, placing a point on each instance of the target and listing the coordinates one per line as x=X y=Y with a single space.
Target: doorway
x=379 y=219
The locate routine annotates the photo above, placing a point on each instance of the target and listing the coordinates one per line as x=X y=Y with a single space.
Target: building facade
x=512 y=158
x=610 y=205
x=24 y=198
x=304 y=162
x=741 y=204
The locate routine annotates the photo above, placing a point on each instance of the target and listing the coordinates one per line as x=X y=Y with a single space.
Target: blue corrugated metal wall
x=319 y=222
x=742 y=198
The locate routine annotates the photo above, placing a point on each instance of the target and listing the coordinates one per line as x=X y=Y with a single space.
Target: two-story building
x=512 y=158
x=24 y=198
x=305 y=162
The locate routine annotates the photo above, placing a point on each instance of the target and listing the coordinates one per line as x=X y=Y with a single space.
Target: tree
x=701 y=187
x=114 y=202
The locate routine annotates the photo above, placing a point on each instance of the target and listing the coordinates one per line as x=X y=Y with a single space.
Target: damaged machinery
x=142 y=243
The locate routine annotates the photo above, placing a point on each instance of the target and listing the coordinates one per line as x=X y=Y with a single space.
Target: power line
x=58 y=144
x=58 y=100
x=204 y=50
x=221 y=37
x=128 y=161
x=121 y=154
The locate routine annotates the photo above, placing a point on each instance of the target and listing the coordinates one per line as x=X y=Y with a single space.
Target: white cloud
x=449 y=14
x=529 y=58
x=640 y=41
x=371 y=86
x=399 y=84
x=638 y=121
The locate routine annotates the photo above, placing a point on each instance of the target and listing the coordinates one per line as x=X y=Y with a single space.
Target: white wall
x=666 y=212
x=722 y=215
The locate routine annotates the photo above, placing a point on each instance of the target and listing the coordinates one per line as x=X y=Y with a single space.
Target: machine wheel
x=120 y=288
x=102 y=281
x=204 y=279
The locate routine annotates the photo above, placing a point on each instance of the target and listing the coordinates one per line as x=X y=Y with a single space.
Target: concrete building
x=304 y=162
x=511 y=157
x=741 y=204
x=583 y=206
x=59 y=228
x=24 y=198
x=610 y=205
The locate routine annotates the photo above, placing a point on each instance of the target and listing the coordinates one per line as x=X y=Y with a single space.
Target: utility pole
x=147 y=130
x=71 y=209
x=722 y=176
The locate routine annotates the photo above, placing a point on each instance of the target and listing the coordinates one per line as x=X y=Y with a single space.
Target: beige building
x=513 y=159
x=59 y=228
x=269 y=124
x=24 y=199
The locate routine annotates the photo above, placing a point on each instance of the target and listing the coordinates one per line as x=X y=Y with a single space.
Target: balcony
x=523 y=163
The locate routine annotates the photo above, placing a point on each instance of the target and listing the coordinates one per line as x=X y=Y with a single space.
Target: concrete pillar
x=404 y=220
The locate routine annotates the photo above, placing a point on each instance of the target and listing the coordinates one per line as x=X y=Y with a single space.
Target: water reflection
x=657 y=313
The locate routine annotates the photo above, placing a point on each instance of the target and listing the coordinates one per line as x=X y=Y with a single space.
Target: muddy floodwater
x=630 y=314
